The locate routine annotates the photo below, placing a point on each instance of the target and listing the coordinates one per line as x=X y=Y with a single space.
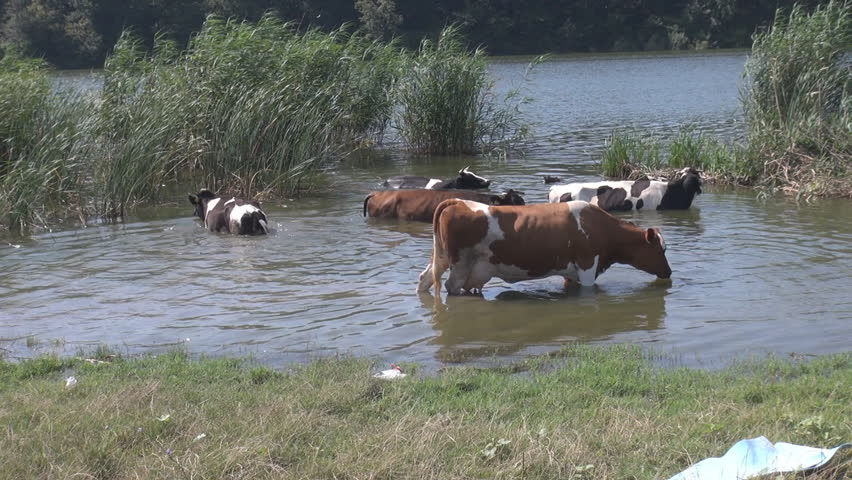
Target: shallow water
x=750 y=275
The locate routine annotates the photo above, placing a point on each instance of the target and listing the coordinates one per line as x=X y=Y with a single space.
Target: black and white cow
x=233 y=216
x=634 y=194
x=466 y=180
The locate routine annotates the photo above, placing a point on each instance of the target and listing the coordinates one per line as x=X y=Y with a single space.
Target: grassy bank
x=798 y=110
x=585 y=413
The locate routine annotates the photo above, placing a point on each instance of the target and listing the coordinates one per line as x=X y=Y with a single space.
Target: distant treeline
x=80 y=33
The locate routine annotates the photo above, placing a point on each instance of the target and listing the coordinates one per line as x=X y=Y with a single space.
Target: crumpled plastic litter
x=757 y=457
x=393 y=373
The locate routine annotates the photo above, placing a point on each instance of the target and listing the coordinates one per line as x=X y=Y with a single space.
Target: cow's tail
x=367 y=200
x=440 y=260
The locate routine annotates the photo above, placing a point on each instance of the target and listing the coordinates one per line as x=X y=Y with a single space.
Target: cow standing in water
x=232 y=216
x=575 y=240
x=419 y=205
x=633 y=194
x=466 y=180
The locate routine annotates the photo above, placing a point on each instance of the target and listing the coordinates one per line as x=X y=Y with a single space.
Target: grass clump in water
x=798 y=102
x=447 y=103
x=167 y=416
x=626 y=150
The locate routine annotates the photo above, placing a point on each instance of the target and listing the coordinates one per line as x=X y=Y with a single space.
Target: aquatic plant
x=246 y=108
x=44 y=141
x=729 y=162
x=447 y=101
x=797 y=100
x=627 y=152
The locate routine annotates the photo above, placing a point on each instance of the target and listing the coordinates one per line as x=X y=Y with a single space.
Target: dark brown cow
x=419 y=205
x=575 y=240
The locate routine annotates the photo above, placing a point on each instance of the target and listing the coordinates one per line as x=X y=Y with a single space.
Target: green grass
x=628 y=151
x=174 y=417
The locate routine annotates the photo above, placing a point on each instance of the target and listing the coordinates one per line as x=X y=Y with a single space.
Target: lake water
x=750 y=275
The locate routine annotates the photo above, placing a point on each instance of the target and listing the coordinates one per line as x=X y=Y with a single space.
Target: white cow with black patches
x=628 y=195
x=236 y=215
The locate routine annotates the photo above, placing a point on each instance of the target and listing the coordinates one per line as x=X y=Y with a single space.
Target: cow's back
x=414 y=205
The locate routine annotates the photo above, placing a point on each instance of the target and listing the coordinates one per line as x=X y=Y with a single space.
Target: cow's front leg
x=425 y=279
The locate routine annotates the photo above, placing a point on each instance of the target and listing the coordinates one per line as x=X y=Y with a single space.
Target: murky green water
x=750 y=276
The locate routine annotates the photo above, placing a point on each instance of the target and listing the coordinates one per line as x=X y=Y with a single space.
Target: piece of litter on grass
x=391 y=374
x=164 y=418
x=200 y=437
x=70 y=382
x=757 y=457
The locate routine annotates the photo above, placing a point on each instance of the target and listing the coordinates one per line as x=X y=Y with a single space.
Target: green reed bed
x=585 y=412
x=798 y=100
x=447 y=102
x=247 y=108
x=255 y=109
x=797 y=106
x=45 y=144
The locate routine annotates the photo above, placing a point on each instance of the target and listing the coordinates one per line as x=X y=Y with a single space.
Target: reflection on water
x=539 y=318
x=749 y=275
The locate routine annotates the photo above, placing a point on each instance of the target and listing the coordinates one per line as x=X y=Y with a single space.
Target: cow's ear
x=652 y=236
x=464 y=170
x=255 y=203
x=193 y=199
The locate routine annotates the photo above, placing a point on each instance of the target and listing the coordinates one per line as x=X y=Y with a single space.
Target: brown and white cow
x=232 y=216
x=575 y=240
x=419 y=205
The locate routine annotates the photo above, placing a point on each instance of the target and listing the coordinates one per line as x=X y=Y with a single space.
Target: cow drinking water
x=233 y=216
x=634 y=194
x=466 y=180
x=575 y=240
x=419 y=205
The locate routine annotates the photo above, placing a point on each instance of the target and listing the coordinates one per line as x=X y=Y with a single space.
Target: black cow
x=232 y=216
x=466 y=180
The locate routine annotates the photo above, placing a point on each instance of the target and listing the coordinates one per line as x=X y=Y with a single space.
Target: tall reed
x=44 y=144
x=797 y=100
x=448 y=104
x=246 y=108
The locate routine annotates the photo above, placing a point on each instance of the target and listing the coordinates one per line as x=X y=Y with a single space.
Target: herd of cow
x=478 y=235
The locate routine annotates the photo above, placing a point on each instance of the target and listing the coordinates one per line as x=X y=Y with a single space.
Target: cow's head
x=511 y=197
x=650 y=255
x=691 y=181
x=681 y=191
x=470 y=180
x=200 y=201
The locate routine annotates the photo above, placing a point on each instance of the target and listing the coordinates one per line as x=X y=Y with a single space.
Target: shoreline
x=609 y=407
